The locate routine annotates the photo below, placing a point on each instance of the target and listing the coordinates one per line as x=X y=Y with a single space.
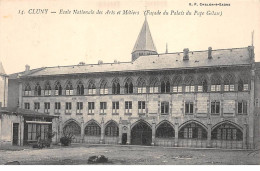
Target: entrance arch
x=141 y=134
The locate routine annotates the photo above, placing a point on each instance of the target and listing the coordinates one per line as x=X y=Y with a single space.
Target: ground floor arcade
x=192 y=133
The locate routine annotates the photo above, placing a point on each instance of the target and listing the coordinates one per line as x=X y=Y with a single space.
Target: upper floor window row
x=177 y=85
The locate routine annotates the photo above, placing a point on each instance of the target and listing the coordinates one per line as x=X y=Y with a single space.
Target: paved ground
x=127 y=155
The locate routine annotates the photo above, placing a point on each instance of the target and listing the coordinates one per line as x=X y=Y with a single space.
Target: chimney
x=186 y=54
x=100 y=62
x=210 y=53
x=251 y=52
x=27 y=67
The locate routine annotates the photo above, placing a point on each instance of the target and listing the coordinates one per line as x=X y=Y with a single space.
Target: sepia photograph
x=117 y=82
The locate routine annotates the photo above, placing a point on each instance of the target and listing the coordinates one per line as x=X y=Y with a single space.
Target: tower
x=144 y=44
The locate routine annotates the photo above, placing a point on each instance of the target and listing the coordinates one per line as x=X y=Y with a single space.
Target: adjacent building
x=204 y=98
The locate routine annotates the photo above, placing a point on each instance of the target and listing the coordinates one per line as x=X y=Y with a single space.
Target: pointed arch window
x=165 y=130
x=141 y=87
x=58 y=89
x=203 y=84
x=47 y=89
x=243 y=84
x=129 y=87
x=72 y=128
x=37 y=90
x=154 y=86
x=215 y=83
x=227 y=131
x=103 y=88
x=189 y=85
x=93 y=129
x=229 y=83
x=165 y=86
x=115 y=88
x=177 y=85
x=27 y=90
x=80 y=88
x=69 y=89
x=91 y=88
x=192 y=131
x=112 y=130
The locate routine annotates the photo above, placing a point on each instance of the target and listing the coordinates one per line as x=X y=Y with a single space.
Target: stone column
x=209 y=135
x=245 y=136
x=176 y=128
x=102 y=131
x=128 y=133
x=20 y=102
x=153 y=132
x=82 y=130
x=120 y=131
x=22 y=131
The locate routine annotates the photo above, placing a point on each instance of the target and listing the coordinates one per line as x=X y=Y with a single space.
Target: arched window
x=112 y=130
x=165 y=86
x=92 y=129
x=243 y=84
x=27 y=90
x=165 y=130
x=177 y=84
x=80 y=88
x=37 y=90
x=71 y=128
x=115 y=87
x=189 y=84
x=69 y=89
x=229 y=83
x=91 y=88
x=141 y=87
x=154 y=85
x=227 y=131
x=215 y=83
x=192 y=131
x=202 y=84
x=103 y=87
x=58 y=89
x=47 y=89
x=129 y=87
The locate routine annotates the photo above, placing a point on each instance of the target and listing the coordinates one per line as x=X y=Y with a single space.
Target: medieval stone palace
x=201 y=99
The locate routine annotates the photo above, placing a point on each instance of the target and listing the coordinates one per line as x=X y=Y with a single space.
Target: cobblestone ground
x=77 y=154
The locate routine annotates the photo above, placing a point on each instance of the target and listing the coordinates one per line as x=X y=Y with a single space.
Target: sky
x=53 y=39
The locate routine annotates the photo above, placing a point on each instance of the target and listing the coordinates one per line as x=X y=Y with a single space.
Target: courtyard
x=78 y=154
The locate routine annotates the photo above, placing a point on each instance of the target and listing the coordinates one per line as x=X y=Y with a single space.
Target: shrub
x=66 y=141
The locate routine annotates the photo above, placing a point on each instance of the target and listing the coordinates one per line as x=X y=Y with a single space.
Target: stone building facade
x=190 y=98
x=3 y=86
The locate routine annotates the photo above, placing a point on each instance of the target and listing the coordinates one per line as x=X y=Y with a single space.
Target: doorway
x=141 y=134
x=124 y=138
x=15 y=133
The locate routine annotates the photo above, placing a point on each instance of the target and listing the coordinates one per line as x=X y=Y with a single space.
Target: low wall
x=92 y=139
x=111 y=140
x=192 y=143
x=166 y=142
x=226 y=144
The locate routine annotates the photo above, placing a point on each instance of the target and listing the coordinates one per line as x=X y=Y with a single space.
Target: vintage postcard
x=116 y=82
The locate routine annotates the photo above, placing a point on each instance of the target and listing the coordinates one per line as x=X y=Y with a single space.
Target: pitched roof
x=144 y=40
x=2 y=71
x=169 y=61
